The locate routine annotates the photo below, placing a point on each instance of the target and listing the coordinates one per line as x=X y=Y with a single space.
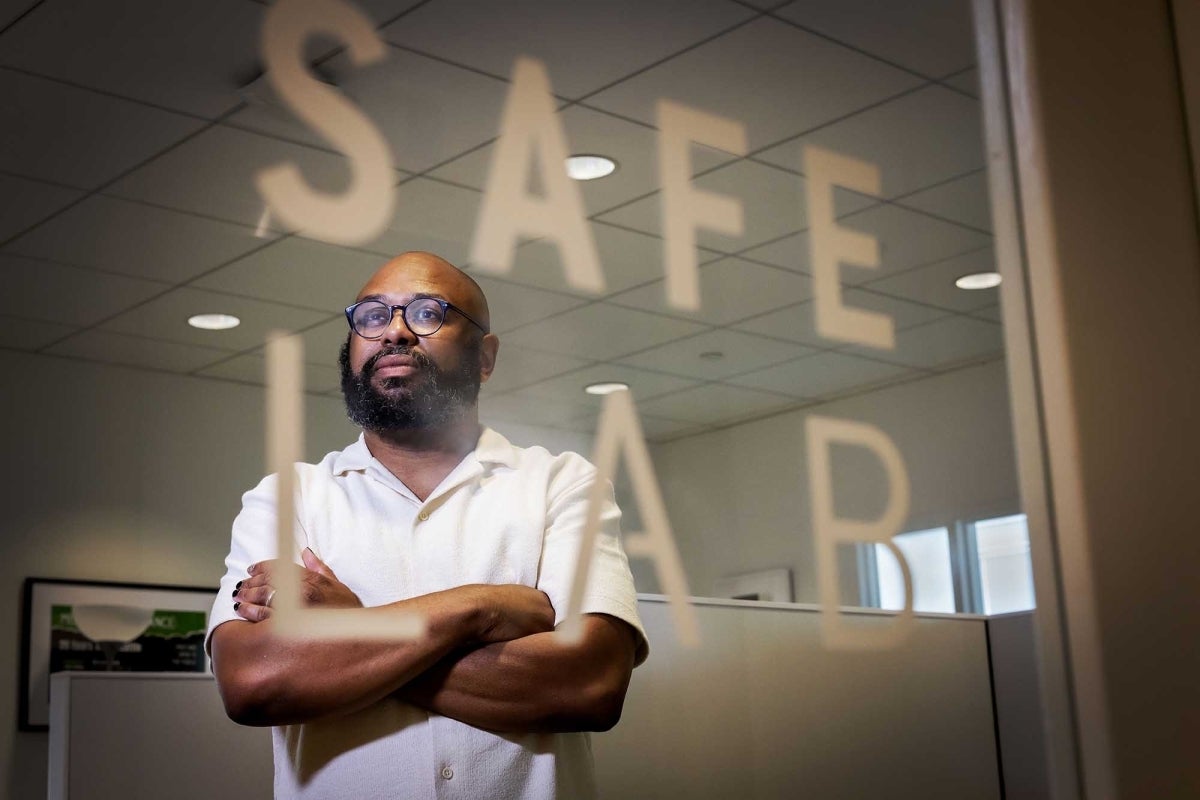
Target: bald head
x=418 y=272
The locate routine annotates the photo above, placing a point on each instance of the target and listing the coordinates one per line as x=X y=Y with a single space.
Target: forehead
x=405 y=278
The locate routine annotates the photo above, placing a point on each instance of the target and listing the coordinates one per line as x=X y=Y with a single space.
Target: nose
x=397 y=331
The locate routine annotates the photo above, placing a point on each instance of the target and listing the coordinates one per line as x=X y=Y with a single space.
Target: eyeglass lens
x=423 y=317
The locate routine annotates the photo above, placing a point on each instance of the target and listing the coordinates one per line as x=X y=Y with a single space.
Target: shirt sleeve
x=609 y=588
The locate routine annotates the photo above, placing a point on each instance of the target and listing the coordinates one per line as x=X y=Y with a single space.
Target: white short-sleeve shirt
x=505 y=514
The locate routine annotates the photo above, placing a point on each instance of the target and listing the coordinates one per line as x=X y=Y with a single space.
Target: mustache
x=422 y=360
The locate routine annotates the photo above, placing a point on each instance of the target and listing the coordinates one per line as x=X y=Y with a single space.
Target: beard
x=428 y=398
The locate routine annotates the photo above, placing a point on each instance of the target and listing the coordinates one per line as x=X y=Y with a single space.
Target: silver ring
x=270 y=597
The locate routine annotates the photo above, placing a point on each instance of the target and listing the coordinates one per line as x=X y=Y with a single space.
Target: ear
x=488 y=348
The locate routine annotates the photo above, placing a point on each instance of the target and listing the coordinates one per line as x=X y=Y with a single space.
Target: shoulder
x=334 y=464
x=558 y=468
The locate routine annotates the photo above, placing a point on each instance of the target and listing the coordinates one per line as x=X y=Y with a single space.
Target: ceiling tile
x=642 y=383
x=584 y=45
x=298 y=271
x=964 y=200
x=601 y=331
x=166 y=318
x=820 y=375
x=941 y=343
x=135 y=351
x=730 y=289
x=934 y=284
x=213 y=174
x=70 y=295
x=906 y=238
x=190 y=57
x=991 y=313
x=72 y=136
x=11 y=9
x=715 y=403
x=136 y=239
x=24 y=203
x=741 y=352
x=522 y=406
x=627 y=258
x=520 y=366
x=965 y=81
x=797 y=323
x=512 y=306
x=323 y=342
x=916 y=140
x=383 y=11
x=932 y=37
x=28 y=334
x=632 y=146
x=658 y=429
x=433 y=216
x=251 y=368
x=775 y=79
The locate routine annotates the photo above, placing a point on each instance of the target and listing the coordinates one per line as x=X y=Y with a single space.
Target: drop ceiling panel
x=166 y=318
x=916 y=140
x=518 y=366
x=643 y=384
x=24 y=203
x=820 y=375
x=513 y=306
x=251 y=368
x=963 y=200
x=740 y=352
x=430 y=215
x=965 y=81
x=632 y=146
x=601 y=331
x=72 y=296
x=991 y=313
x=584 y=45
x=429 y=111
x=941 y=343
x=214 y=174
x=774 y=78
x=730 y=289
x=323 y=342
x=657 y=429
x=934 y=284
x=11 y=9
x=627 y=258
x=297 y=271
x=798 y=324
x=136 y=351
x=190 y=57
x=524 y=407
x=384 y=11
x=135 y=239
x=30 y=334
x=75 y=137
x=715 y=403
x=932 y=37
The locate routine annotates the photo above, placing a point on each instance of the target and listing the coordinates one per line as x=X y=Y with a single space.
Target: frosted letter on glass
x=620 y=430
x=285 y=446
x=685 y=208
x=365 y=209
x=829 y=530
x=530 y=128
x=832 y=243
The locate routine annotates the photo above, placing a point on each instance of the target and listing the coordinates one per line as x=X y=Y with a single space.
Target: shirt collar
x=492 y=448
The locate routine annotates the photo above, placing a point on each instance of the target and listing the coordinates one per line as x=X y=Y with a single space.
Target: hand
x=319 y=587
x=510 y=611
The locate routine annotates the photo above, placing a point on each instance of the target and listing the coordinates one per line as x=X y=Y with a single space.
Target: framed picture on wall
x=102 y=626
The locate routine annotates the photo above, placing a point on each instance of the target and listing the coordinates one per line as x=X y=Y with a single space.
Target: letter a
x=829 y=530
x=531 y=128
x=620 y=429
x=365 y=209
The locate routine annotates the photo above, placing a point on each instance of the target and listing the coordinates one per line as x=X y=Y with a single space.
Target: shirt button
x=447 y=773
x=424 y=515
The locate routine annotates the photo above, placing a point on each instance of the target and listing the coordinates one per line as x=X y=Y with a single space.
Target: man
x=428 y=512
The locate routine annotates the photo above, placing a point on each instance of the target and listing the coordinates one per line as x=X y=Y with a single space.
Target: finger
x=314 y=563
x=261 y=567
x=252 y=611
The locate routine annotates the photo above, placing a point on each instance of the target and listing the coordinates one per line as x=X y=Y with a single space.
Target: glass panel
x=1005 y=568
x=928 y=556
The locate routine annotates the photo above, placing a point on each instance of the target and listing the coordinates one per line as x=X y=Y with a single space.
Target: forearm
x=266 y=679
x=535 y=683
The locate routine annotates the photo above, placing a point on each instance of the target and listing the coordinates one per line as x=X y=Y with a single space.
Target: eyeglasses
x=423 y=316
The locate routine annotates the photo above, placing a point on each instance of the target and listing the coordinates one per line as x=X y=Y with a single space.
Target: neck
x=422 y=457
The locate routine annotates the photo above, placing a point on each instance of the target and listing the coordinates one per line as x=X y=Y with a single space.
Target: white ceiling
x=127 y=202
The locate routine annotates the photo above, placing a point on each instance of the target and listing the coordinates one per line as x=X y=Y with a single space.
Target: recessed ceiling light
x=588 y=167
x=214 y=322
x=606 y=388
x=979 y=280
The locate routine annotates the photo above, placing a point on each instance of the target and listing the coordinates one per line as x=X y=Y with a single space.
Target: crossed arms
x=488 y=658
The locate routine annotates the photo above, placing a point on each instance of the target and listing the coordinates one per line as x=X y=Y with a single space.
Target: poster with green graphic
x=126 y=639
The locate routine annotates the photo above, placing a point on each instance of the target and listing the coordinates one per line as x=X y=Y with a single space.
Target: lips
x=395 y=365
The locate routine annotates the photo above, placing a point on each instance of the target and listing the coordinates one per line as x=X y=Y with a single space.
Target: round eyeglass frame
x=403 y=309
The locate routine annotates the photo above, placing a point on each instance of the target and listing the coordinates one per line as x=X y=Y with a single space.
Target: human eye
x=373 y=315
x=427 y=311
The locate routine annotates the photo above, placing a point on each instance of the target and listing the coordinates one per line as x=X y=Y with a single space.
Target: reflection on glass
x=928 y=555
x=1005 y=568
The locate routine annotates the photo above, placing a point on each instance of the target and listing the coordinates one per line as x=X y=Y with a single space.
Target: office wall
x=738 y=498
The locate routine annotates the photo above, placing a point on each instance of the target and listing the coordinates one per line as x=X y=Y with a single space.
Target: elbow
x=599 y=708
x=247 y=697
